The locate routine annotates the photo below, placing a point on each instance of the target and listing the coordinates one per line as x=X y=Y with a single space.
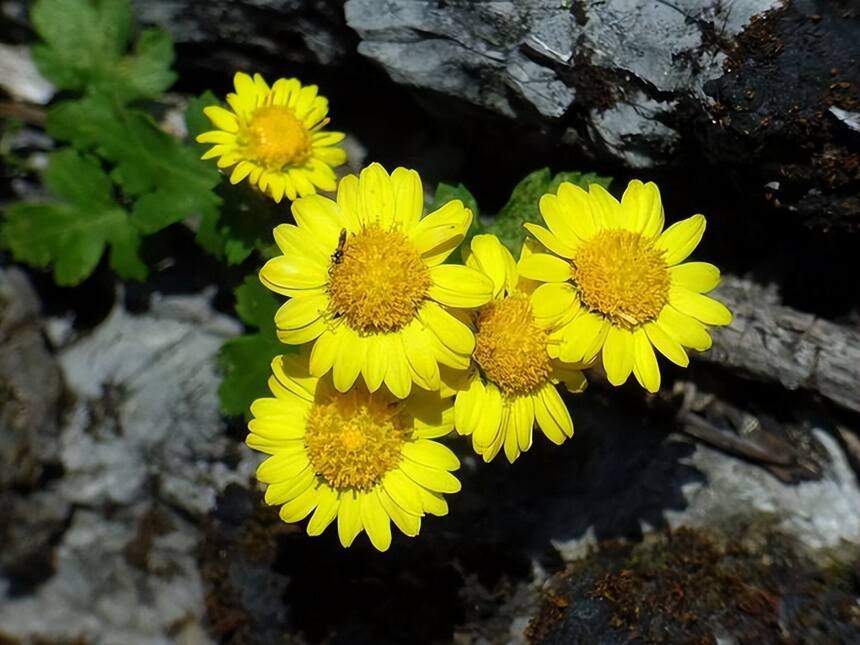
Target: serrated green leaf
x=71 y=233
x=85 y=43
x=167 y=177
x=245 y=360
x=522 y=206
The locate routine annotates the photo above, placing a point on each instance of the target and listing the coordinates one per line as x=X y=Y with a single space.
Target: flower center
x=377 y=280
x=510 y=348
x=276 y=137
x=353 y=439
x=621 y=275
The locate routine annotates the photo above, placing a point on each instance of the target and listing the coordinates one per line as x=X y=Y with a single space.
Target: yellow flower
x=273 y=136
x=632 y=292
x=364 y=458
x=367 y=283
x=512 y=383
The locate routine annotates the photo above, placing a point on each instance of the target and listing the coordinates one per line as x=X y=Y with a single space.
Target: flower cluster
x=398 y=346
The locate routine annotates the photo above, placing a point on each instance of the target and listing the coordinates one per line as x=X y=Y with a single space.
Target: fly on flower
x=631 y=289
x=274 y=137
x=368 y=286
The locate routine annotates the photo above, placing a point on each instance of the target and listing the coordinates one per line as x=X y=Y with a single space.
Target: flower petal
x=489 y=256
x=685 y=329
x=438 y=234
x=221 y=118
x=583 y=338
x=551 y=414
x=545 y=268
x=328 y=503
x=376 y=198
x=666 y=345
x=434 y=479
x=348 y=517
x=408 y=197
x=456 y=285
x=645 y=367
x=468 y=406
x=644 y=208
x=450 y=331
x=618 y=355
x=708 y=310
x=680 y=239
x=700 y=277
x=375 y=520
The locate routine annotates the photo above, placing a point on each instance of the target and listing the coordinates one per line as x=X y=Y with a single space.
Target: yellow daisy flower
x=367 y=283
x=364 y=458
x=512 y=383
x=273 y=136
x=632 y=292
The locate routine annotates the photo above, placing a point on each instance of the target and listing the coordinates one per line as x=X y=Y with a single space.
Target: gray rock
x=144 y=453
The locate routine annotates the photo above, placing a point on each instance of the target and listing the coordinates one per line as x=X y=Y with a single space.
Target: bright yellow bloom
x=367 y=283
x=364 y=458
x=632 y=292
x=512 y=382
x=273 y=136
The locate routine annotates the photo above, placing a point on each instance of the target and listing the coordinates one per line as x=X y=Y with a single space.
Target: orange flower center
x=621 y=275
x=354 y=439
x=276 y=137
x=377 y=280
x=510 y=348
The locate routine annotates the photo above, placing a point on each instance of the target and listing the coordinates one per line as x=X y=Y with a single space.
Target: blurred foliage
x=123 y=177
x=245 y=360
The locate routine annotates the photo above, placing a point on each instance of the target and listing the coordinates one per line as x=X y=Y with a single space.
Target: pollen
x=621 y=275
x=276 y=137
x=354 y=439
x=377 y=280
x=510 y=348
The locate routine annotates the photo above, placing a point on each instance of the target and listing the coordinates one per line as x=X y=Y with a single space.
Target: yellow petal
x=685 y=329
x=605 y=207
x=680 y=239
x=551 y=414
x=398 y=379
x=301 y=311
x=349 y=360
x=456 y=285
x=320 y=217
x=583 y=338
x=618 y=355
x=375 y=520
x=348 y=517
x=293 y=241
x=221 y=118
x=431 y=453
x=576 y=210
x=282 y=467
x=700 y=277
x=434 y=479
x=328 y=503
x=300 y=507
x=450 y=331
x=432 y=503
x=408 y=523
x=419 y=353
x=512 y=449
x=468 y=408
x=376 y=362
x=438 y=234
x=348 y=202
x=376 y=198
x=523 y=419
x=290 y=371
x=299 y=179
x=403 y=491
x=645 y=367
x=643 y=207
x=490 y=422
x=302 y=335
x=554 y=302
x=666 y=345
x=408 y=197
x=291 y=276
x=324 y=352
x=489 y=256
x=708 y=310
x=545 y=268
x=282 y=492
x=242 y=170
x=550 y=241
x=216 y=136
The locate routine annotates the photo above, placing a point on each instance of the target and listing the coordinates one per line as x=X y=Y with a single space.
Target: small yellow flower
x=512 y=383
x=367 y=283
x=631 y=291
x=273 y=136
x=364 y=458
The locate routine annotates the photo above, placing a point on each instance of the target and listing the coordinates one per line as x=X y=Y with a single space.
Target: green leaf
x=165 y=176
x=522 y=206
x=245 y=360
x=71 y=232
x=85 y=43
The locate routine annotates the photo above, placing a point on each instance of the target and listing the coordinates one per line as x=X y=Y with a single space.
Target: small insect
x=337 y=256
